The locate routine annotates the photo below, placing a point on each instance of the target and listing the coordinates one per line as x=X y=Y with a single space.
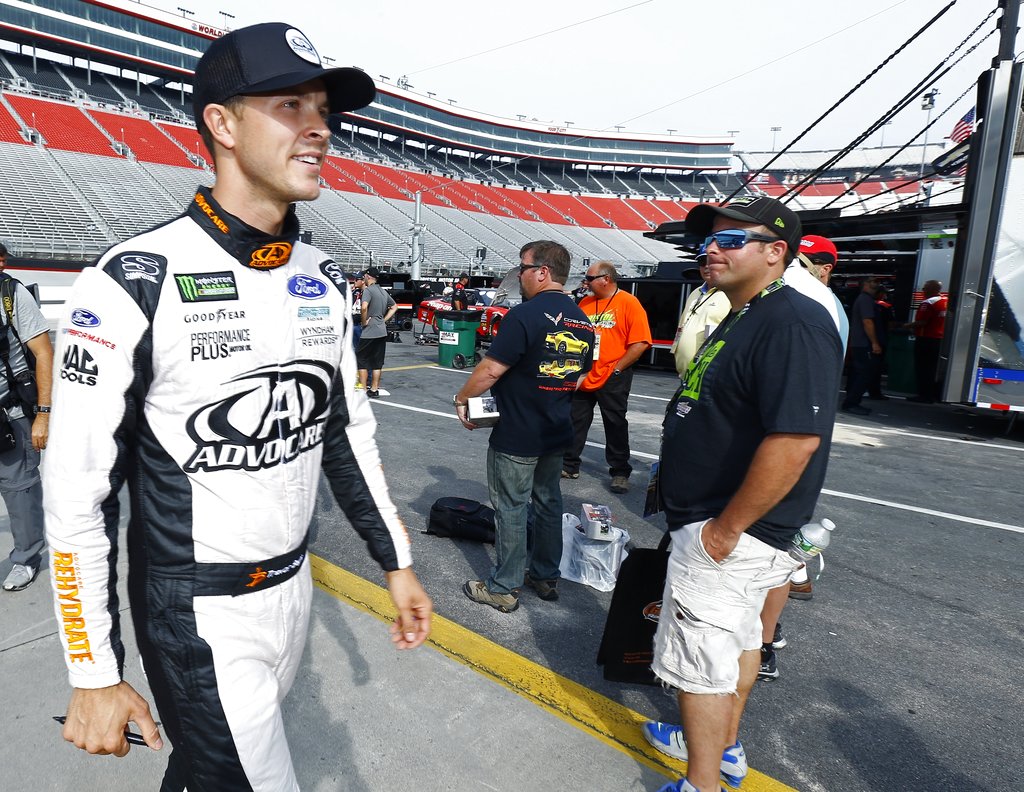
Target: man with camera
x=24 y=424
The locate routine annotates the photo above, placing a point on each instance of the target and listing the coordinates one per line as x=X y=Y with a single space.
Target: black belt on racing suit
x=212 y=580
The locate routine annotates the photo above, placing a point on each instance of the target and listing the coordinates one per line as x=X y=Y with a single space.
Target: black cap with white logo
x=268 y=57
x=772 y=214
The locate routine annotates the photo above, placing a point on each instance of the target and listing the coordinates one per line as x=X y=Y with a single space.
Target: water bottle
x=810 y=540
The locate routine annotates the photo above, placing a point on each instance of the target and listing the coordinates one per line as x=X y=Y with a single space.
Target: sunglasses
x=735 y=238
x=592 y=278
x=524 y=267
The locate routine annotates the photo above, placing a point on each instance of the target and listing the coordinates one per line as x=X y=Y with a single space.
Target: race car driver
x=207 y=365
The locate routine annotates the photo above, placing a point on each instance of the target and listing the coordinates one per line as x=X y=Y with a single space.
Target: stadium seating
x=76 y=194
x=39 y=72
x=187 y=137
x=63 y=126
x=145 y=140
x=39 y=212
x=94 y=85
x=125 y=196
x=10 y=132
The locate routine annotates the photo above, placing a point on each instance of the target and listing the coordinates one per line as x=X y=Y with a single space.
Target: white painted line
x=455 y=370
x=904 y=433
x=640 y=454
x=451 y=414
x=654 y=398
x=920 y=510
x=834 y=493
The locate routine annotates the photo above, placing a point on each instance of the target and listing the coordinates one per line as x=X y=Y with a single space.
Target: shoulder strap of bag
x=7 y=287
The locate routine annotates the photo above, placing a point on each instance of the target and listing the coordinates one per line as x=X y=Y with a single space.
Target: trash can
x=899 y=358
x=456 y=342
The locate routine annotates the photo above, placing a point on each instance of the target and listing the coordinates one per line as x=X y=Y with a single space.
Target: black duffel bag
x=461 y=518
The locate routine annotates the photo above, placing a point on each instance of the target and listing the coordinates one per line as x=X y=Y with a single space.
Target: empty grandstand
x=97 y=143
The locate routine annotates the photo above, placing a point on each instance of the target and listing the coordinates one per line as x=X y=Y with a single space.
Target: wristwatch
x=457 y=403
x=42 y=409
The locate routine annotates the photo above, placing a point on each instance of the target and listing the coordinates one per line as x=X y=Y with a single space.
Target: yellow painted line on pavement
x=406 y=368
x=597 y=715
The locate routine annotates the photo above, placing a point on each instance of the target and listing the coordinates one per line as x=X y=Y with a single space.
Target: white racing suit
x=208 y=368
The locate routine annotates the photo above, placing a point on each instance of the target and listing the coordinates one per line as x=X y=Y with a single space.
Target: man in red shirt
x=622 y=336
x=929 y=327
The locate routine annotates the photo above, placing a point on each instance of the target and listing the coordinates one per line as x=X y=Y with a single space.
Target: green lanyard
x=771 y=288
x=720 y=332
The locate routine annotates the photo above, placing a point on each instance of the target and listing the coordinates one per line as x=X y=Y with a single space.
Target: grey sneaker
x=620 y=484
x=545 y=589
x=477 y=591
x=20 y=577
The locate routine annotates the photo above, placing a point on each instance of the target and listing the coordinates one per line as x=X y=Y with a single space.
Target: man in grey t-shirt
x=20 y=486
x=377 y=309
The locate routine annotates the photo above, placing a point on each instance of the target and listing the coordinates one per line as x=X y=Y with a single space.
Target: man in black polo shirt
x=743 y=458
x=545 y=346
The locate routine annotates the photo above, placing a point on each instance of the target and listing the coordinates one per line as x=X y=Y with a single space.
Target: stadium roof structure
x=166 y=48
x=862 y=159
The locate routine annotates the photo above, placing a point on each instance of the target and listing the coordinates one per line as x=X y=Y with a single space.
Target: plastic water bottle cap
x=827 y=524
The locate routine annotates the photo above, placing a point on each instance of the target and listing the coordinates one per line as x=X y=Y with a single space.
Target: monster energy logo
x=206 y=286
x=696 y=370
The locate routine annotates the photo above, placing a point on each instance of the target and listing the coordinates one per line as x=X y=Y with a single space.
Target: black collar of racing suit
x=253 y=248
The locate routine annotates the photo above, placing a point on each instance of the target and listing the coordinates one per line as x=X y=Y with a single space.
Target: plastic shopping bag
x=592 y=562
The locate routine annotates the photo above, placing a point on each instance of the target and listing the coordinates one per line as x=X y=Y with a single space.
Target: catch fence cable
x=936 y=73
x=899 y=151
x=846 y=96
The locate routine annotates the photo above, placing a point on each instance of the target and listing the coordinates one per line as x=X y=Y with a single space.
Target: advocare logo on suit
x=270 y=415
x=270 y=255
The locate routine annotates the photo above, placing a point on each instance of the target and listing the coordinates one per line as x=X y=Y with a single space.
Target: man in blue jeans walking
x=532 y=368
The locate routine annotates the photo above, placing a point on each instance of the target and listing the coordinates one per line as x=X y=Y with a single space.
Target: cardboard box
x=596 y=522
x=483 y=411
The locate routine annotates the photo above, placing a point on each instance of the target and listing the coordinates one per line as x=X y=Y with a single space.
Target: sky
x=722 y=68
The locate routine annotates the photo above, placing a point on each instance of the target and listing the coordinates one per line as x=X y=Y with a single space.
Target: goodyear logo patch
x=206 y=286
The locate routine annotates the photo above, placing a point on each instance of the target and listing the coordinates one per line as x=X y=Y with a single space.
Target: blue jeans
x=22 y=493
x=511 y=482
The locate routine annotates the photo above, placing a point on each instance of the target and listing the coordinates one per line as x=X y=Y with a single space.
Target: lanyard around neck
x=725 y=327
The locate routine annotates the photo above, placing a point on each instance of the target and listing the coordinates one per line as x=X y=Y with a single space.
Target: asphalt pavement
x=901 y=673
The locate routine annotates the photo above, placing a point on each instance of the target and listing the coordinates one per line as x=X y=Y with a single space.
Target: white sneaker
x=670 y=740
x=20 y=577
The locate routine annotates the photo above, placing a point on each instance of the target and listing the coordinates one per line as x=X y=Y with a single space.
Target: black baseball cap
x=373 y=272
x=772 y=214
x=268 y=57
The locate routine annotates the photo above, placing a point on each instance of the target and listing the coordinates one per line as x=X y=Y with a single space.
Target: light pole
x=927 y=103
x=185 y=11
x=226 y=16
x=775 y=131
x=881 y=140
x=671 y=131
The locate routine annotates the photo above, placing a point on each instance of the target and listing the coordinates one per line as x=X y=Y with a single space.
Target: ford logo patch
x=84 y=318
x=306 y=288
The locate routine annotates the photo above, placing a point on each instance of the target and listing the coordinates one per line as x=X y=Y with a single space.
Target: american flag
x=964 y=127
